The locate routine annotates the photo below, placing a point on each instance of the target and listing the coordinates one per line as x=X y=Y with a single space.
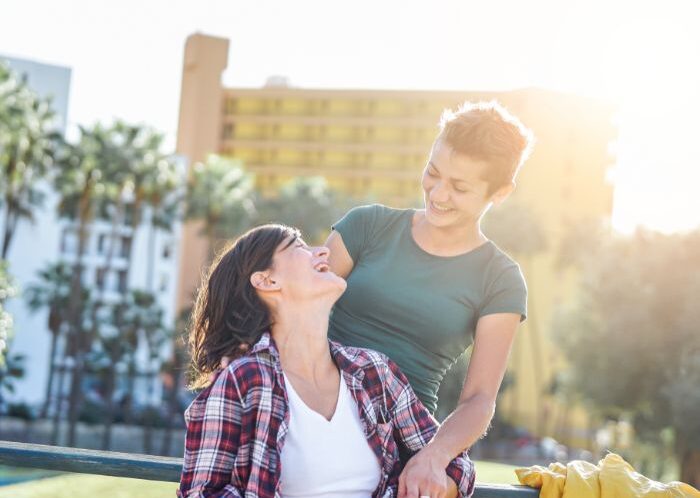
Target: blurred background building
x=51 y=239
x=373 y=144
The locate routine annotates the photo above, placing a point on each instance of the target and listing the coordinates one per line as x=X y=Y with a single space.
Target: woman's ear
x=262 y=281
x=502 y=193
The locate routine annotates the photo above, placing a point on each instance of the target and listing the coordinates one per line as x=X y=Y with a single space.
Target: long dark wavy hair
x=228 y=315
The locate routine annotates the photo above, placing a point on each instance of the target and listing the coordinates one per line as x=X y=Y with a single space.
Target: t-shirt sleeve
x=507 y=294
x=356 y=228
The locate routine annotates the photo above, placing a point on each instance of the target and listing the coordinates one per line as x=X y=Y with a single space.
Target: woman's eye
x=432 y=172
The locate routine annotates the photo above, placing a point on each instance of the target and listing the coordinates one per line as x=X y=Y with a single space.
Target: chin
x=439 y=221
x=332 y=281
x=340 y=283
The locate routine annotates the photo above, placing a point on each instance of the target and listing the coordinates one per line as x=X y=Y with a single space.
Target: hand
x=424 y=475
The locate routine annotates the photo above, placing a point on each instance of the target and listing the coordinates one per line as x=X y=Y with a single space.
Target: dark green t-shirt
x=419 y=309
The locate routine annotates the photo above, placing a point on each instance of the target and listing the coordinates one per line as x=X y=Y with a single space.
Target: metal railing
x=154 y=468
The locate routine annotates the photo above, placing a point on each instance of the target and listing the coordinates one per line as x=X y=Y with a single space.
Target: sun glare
x=655 y=78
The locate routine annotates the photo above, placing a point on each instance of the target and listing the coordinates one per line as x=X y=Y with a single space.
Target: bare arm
x=339 y=259
x=470 y=419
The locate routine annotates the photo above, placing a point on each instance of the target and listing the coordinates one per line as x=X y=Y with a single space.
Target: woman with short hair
x=425 y=284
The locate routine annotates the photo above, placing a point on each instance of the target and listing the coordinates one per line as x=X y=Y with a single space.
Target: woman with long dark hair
x=293 y=414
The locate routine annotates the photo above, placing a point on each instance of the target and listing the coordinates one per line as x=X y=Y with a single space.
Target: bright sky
x=126 y=58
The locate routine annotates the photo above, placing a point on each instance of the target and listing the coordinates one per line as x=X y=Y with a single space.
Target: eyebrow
x=294 y=239
x=453 y=180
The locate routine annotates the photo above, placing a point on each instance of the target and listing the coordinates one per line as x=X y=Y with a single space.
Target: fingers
x=412 y=490
x=402 y=485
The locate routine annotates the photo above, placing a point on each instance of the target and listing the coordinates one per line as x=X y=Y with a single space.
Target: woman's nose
x=439 y=193
x=321 y=251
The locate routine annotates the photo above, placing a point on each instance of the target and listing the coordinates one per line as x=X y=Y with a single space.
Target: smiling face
x=454 y=191
x=300 y=273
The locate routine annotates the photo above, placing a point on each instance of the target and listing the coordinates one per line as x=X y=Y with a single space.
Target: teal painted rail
x=153 y=468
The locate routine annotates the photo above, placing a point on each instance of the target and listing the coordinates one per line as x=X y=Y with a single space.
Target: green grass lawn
x=495 y=473
x=90 y=486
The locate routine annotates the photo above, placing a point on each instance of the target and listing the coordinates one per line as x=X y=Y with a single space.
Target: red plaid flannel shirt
x=236 y=427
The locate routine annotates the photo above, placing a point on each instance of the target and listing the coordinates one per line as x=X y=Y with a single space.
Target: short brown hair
x=487 y=131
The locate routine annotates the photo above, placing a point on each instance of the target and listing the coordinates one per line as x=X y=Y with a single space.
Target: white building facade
x=143 y=259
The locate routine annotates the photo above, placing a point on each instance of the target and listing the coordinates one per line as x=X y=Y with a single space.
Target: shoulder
x=373 y=364
x=233 y=385
x=373 y=214
x=501 y=267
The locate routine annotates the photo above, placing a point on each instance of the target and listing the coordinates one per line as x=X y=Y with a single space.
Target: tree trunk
x=76 y=313
x=109 y=416
x=52 y=370
x=59 y=406
x=690 y=467
x=8 y=202
x=7 y=233
x=173 y=411
x=130 y=389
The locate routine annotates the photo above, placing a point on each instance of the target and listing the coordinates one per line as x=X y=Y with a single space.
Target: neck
x=301 y=335
x=447 y=240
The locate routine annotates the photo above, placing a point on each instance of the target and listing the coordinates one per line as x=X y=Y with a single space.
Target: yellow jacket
x=613 y=477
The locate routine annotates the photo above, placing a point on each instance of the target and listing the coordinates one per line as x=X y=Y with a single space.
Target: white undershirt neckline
x=324 y=458
x=303 y=406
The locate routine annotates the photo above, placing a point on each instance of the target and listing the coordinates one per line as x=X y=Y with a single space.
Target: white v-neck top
x=327 y=458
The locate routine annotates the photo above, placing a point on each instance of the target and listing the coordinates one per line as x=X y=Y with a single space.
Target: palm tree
x=163 y=193
x=142 y=176
x=220 y=194
x=11 y=366
x=52 y=292
x=306 y=203
x=141 y=320
x=82 y=187
x=114 y=349
x=28 y=144
x=173 y=370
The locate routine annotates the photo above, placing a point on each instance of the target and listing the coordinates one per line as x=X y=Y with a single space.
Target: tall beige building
x=373 y=143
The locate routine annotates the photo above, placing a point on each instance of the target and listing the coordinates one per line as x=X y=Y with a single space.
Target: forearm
x=461 y=429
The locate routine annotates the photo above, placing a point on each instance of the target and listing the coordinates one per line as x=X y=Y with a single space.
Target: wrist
x=437 y=454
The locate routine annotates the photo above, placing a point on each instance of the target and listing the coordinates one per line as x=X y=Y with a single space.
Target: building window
x=102 y=243
x=69 y=241
x=100 y=278
x=228 y=131
x=167 y=251
x=163 y=284
x=121 y=284
x=125 y=249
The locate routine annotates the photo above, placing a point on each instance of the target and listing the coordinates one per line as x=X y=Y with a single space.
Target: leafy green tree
x=28 y=144
x=220 y=195
x=52 y=291
x=306 y=203
x=632 y=341
x=11 y=365
x=172 y=370
x=84 y=188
